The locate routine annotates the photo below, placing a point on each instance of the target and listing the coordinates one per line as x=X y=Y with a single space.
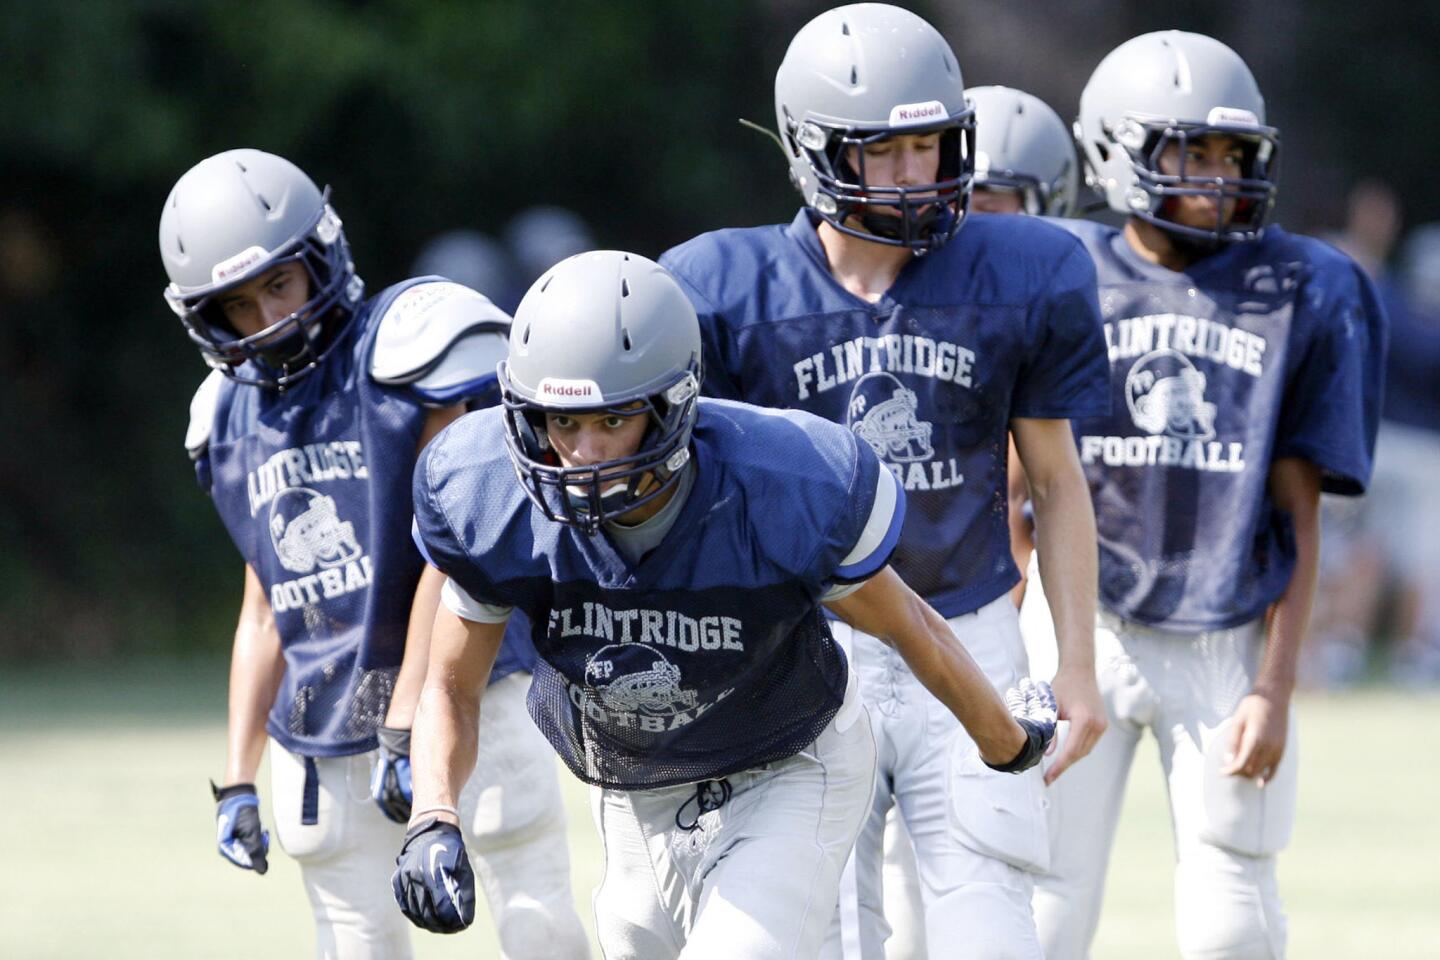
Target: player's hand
x=1032 y=704
x=1257 y=738
x=1077 y=696
x=238 y=832
x=390 y=781
x=433 y=882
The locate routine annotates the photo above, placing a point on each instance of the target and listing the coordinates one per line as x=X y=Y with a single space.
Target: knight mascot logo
x=307 y=532
x=636 y=678
x=882 y=413
x=1166 y=395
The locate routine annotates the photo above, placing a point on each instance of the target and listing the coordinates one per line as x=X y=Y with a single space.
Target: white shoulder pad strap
x=202 y=414
x=439 y=329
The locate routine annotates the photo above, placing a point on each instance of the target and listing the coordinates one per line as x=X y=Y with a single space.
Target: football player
x=673 y=554
x=884 y=308
x=1025 y=163
x=1244 y=371
x=305 y=436
x=1024 y=157
x=475 y=260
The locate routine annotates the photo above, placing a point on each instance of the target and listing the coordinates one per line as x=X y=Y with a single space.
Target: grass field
x=107 y=833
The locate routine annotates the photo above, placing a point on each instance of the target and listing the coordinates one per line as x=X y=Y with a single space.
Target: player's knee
x=622 y=939
x=992 y=922
x=531 y=929
x=507 y=823
x=1065 y=919
x=1227 y=907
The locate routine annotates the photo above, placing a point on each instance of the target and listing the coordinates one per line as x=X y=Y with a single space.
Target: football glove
x=1032 y=704
x=238 y=833
x=390 y=782
x=433 y=883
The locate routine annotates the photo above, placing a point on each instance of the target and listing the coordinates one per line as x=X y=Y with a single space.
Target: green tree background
x=425 y=115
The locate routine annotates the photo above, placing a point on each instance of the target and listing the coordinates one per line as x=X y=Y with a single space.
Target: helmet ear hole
x=532 y=431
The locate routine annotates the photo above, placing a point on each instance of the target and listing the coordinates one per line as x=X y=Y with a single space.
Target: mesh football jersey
x=709 y=655
x=1259 y=351
x=999 y=323
x=313 y=485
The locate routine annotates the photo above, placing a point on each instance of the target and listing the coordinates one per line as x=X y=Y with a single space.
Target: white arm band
x=466 y=607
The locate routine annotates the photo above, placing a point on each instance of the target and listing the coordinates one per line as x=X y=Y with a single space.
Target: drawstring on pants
x=710 y=795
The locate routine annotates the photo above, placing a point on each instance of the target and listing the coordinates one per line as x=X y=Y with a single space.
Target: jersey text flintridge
x=661 y=628
x=1191 y=336
x=891 y=353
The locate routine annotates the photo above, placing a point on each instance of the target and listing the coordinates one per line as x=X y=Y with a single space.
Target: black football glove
x=390 y=782
x=241 y=839
x=433 y=882
x=1032 y=704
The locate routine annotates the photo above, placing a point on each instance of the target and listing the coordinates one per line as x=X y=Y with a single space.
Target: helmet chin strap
x=300 y=347
x=611 y=500
x=615 y=499
x=892 y=226
x=1190 y=246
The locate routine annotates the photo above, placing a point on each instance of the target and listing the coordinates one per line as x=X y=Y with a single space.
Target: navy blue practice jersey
x=313 y=485
x=1257 y=352
x=999 y=323
x=709 y=655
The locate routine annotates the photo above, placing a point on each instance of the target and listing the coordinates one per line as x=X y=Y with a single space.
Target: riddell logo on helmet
x=557 y=389
x=1232 y=116
x=912 y=113
x=237 y=264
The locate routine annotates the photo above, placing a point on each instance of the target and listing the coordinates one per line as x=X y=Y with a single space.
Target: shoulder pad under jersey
x=441 y=339
x=202 y=414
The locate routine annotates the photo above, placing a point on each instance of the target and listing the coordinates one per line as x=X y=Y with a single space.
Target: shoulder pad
x=202 y=414
x=438 y=335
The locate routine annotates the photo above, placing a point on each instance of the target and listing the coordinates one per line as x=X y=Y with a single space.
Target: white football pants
x=514 y=831
x=979 y=836
x=904 y=906
x=1183 y=688
x=755 y=878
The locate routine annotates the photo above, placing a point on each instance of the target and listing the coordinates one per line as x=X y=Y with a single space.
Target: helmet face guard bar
x=291 y=348
x=1252 y=194
x=928 y=214
x=577 y=495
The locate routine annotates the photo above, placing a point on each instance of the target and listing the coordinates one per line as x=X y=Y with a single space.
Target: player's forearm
x=443 y=740
x=1066 y=540
x=401 y=713
x=443 y=744
x=1289 y=618
x=943 y=665
x=256 y=667
x=1295 y=486
x=886 y=608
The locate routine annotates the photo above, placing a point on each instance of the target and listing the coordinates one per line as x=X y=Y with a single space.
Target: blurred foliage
x=421 y=114
x=425 y=115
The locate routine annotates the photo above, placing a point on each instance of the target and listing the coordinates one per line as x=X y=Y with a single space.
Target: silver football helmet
x=540 y=237
x=609 y=332
x=862 y=73
x=1172 y=87
x=1023 y=145
x=231 y=218
x=471 y=259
